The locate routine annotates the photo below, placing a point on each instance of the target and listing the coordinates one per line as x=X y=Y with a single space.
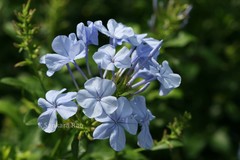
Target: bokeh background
x=201 y=42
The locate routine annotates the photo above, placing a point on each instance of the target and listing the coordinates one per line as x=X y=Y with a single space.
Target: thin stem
x=79 y=69
x=113 y=75
x=105 y=73
x=55 y=148
x=87 y=62
x=132 y=79
x=72 y=76
x=100 y=71
x=143 y=82
x=142 y=89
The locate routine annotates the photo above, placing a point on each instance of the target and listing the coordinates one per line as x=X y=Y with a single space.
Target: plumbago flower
x=68 y=49
x=116 y=31
x=113 y=125
x=89 y=35
x=96 y=99
x=112 y=99
x=56 y=102
x=106 y=58
x=163 y=73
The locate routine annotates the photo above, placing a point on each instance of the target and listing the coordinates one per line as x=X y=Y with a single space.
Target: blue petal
x=47 y=121
x=44 y=104
x=123 y=32
x=109 y=104
x=103 y=131
x=165 y=69
x=118 y=139
x=170 y=81
x=100 y=87
x=108 y=65
x=101 y=28
x=108 y=88
x=111 y=25
x=52 y=95
x=66 y=97
x=108 y=49
x=93 y=111
x=98 y=57
x=67 y=109
x=130 y=124
x=93 y=86
x=124 y=108
x=164 y=91
x=122 y=59
x=144 y=137
x=92 y=33
x=104 y=118
x=85 y=99
x=139 y=107
x=54 y=62
x=77 y=50
x=136 y=39
x=72 y=37
x=81 y=32
x=61 y=45
x=118 y=30
x=104 y=57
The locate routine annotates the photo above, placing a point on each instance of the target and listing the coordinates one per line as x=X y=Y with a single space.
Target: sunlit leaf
x=9 y=109
x=171 y=144
x=30 y=118
x=181 y=40
x=78 y=147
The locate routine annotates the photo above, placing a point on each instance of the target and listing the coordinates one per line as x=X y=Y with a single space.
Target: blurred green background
x=202 y=46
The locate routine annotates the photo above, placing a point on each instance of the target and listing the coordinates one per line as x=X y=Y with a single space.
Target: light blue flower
x=97 y=98
x=164 y=74
x=56 y=102
x=106 y=58
x=68 y=49
x=113 y=125
x=89 y=34
x=166 y=77
x=116 y=31
x=143 y=117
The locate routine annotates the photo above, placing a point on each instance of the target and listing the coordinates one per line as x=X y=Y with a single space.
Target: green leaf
x=30 y=118
x=78 y=147
x=30 y=105
x=170 y=144
x=12 y=82
x=26 y=82
x=99 y=150
x=181 y=40
x=9 y=109
x=22 y=63
x=131 y=154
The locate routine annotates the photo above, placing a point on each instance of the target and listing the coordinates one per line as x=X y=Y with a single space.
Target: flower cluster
x=111 y=97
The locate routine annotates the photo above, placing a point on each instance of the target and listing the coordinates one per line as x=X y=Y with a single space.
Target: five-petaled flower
x=68 y=49
x=56 y=102
x=116 y=31
x=113 y=125
x=96 y=99
x=106 y=58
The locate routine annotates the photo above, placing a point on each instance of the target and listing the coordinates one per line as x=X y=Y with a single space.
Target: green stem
x=55 y=148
